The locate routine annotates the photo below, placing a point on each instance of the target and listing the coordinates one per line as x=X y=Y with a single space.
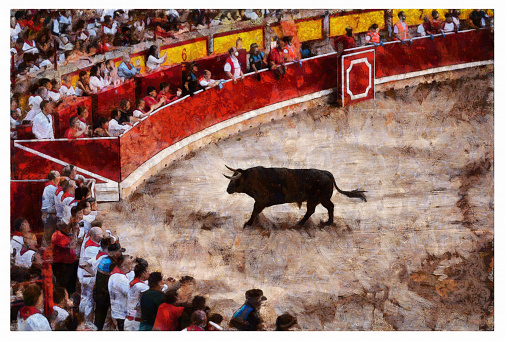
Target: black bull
x=275 y=186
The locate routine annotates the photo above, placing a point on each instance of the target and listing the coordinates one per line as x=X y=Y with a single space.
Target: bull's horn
x=226 y=176
x=233 y=170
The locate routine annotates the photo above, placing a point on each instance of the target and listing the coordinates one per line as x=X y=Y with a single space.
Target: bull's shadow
x=287 y=223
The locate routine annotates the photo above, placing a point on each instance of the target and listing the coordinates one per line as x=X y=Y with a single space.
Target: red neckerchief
x=18 y=49
x=90 y=242
x=58 y=190
x=26 y=312
x=109 y=26
x=100 y=254
x=49 y=183
x=17 y=233
x=23 y=251
x=117 y=271
x=128 y=66
x=28 y=42
x=80 y=119
x=135 y=281
x=66 y=195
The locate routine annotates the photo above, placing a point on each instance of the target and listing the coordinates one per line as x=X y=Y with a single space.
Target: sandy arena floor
x=417 y=256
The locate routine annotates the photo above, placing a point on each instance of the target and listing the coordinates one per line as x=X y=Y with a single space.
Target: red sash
x=135 y=281
x=90 y=242
x=26 y=312
x=100 y=254
x=66 y=195
x=117 y=271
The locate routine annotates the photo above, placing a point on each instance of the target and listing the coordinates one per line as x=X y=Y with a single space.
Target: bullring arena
x=411 y=125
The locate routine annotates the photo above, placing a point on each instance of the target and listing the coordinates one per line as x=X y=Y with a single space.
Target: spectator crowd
x=96 y=285
x=40 y=38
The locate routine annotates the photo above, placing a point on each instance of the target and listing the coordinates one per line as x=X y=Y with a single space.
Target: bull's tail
x=351 y=194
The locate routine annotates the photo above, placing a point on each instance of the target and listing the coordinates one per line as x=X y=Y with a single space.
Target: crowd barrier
x=115 y=161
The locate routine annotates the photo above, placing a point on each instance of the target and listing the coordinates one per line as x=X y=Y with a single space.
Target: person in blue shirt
x=257 y=60
x=126 y=69
x=247 y=318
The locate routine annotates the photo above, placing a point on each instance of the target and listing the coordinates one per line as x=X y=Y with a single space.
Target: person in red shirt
x=63 y=244
x=168 y=316
x=165 y=92
x=276 y=59
x=435 y=23
x=150 y=100
x=74 y=132
x=346 y=41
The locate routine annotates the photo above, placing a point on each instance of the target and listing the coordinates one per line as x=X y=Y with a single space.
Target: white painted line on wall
x=60 y=162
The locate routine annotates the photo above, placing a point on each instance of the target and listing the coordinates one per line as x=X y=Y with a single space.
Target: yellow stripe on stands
x=310 y=30
x=142 y=62
x=415 y=16
x=222 y=44
x=185 y=53
x=465 y=13
x=278 y=31
x=360 y=22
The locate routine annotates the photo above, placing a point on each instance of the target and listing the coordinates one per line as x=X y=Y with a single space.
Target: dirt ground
x=417 y=256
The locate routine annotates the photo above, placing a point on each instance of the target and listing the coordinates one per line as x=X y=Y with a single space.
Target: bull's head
x=236 y=182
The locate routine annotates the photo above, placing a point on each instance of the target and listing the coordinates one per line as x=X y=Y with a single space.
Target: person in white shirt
x=206 y=82
x=154 y=61
x=29 y=45
x=66 y=88
x=42 y=126
x=82 y=115
x=61 y=305
x=95 y=82
x=448 y=25
x=85 y=272
x=116 y=129
x=34 y=103
x=119 y=286
x=25 y=256
x=29 y=317
x=49 y=206
x=108 y=26
x=21 y=229
x=137 y=286
x=232 y=65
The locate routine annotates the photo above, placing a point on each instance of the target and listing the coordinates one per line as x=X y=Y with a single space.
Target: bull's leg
x=257 y=210
x=311 y=208
x=329 y=206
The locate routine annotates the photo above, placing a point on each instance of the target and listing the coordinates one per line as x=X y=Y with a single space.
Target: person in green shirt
x=151 y=300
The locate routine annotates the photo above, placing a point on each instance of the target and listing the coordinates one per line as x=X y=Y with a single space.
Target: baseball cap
x=255 y=294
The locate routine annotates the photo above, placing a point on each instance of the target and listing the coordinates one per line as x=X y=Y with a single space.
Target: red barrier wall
x=170 y=74
x=67 y=109
x=26 y=201
x=108 y=99
x=99 y=156
x=191 y=115
x=396 y=58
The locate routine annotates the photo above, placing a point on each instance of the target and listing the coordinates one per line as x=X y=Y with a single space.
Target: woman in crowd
x=154 y=61
x=96 y=81
x=82 y=87
x=103 y=128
